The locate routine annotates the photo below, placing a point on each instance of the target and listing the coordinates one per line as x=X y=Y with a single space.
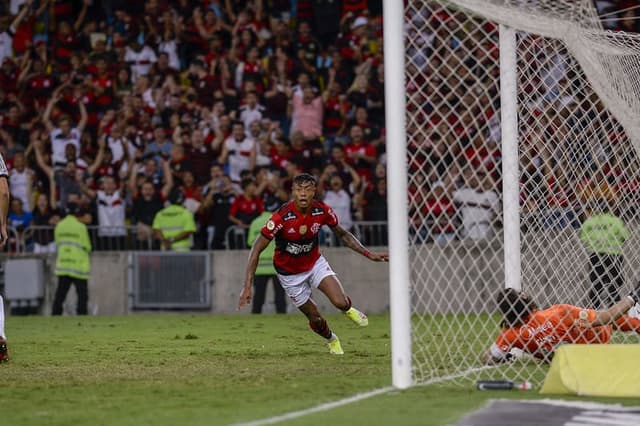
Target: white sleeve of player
x=3 y=167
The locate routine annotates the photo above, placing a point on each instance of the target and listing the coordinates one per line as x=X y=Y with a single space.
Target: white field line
x=349 y=400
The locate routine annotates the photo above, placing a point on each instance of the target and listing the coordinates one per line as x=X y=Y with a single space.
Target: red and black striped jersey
x=296 y=235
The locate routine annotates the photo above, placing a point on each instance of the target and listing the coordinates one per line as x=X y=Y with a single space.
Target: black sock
x=321 y=327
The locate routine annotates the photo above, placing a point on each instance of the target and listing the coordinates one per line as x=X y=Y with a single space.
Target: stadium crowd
x=574 y=156
x=115 y=105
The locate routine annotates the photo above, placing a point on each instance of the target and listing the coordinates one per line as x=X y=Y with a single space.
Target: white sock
x=2 y=317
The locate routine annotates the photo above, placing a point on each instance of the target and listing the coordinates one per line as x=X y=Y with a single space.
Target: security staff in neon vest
x=604 y=235
x=174 y=225
x=265 y=270
x=73 y=265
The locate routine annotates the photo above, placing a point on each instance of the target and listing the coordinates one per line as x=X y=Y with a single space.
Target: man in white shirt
x=238 y=152
x=140 y=58
x=251 y=111
x=340 y=201
x=478 y=203
x=64 y=134
x=110 y=205
x=20 y=179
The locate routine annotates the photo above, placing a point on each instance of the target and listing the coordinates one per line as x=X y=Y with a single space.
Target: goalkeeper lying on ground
x=538 y=333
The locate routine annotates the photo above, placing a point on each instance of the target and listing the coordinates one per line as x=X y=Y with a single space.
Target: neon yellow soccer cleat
x=357 y=317
x=334 y=346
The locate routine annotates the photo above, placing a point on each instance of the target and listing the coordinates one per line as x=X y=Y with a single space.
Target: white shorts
x=298 y=286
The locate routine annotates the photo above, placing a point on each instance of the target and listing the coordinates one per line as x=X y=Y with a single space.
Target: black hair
x=304 y=178
x=71 y=208
x=515 y=307
x=176 y=196
x=244 y=183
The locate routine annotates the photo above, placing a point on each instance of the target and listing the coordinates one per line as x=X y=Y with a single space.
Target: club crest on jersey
x=317 y=211
x=315 y=228
x=303 y=229
x=290 y=215
x=270 y=225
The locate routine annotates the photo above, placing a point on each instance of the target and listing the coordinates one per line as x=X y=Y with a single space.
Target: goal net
x=578 y=140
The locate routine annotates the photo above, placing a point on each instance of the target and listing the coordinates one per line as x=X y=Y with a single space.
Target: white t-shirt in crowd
x=59 y=143
x=110 y=214
x=141 y=61
x=478 y=209
x=20 y=186
x=116 y=148
x=239 y=156
x=340 y=202
x=6 y=49
x=171 y=49
x=249 y=115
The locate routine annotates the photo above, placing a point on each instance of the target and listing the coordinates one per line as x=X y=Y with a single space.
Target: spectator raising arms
x=121 y=89
x=64 y=134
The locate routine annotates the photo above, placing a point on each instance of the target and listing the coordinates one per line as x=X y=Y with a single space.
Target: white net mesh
x=577 y=161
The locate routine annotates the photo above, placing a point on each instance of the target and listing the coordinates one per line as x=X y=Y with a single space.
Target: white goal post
x=510 y=124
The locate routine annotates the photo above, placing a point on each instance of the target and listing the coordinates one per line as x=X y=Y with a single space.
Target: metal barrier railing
x=370 y=233
x=39 y=239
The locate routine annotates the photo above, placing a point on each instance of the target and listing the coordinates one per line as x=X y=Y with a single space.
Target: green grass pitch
x=209 y=370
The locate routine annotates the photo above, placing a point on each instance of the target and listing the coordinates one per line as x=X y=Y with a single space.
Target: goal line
x=354 y=398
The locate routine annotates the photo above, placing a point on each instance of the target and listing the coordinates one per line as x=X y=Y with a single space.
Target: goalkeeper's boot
x=4 y=352
x=358 y=317
x=335 y=348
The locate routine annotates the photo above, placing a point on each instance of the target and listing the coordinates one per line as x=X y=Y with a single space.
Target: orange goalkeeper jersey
x=547 y=329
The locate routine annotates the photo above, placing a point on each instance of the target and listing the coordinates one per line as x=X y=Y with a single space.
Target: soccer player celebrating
x=4 y=210
x=540 y=332
x=298 y=262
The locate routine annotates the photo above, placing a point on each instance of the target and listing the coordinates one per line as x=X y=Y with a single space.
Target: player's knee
x=343 y=303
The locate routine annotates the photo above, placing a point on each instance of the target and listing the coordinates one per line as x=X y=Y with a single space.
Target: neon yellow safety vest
x=604 y=234
x=73 y=245
x=265 y=262
x=172 y=221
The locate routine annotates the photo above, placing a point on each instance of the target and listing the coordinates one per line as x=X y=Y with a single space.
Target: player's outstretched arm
x=610 y=315
x=258 y=245
x=354 y=244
